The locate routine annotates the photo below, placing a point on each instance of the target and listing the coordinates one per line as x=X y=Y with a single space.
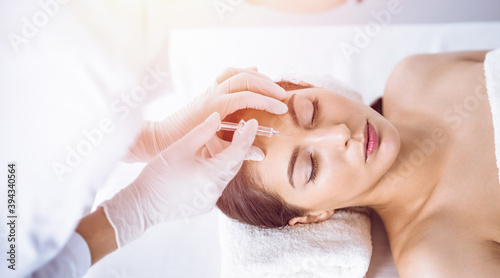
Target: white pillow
x=338 y=247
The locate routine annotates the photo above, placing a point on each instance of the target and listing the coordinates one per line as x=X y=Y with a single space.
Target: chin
x=388 y=147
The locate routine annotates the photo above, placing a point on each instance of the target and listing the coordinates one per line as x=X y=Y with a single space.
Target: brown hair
x=244 y=200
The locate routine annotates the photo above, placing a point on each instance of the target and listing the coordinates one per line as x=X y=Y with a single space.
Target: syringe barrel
x=265 y=131
x=261 y=131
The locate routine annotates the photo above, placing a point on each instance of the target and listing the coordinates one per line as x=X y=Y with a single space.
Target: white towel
x=338 y=247
x=492 y=74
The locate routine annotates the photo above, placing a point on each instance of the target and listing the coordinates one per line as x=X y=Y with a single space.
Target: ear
x=312 y=217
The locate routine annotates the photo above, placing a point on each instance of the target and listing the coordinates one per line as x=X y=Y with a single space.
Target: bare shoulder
x=411 y=70
x=418 y=77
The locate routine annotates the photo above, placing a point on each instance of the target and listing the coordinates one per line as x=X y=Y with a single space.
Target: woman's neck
x=402 y=193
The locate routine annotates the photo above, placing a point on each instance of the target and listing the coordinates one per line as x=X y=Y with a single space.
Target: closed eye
x=315 y=111
x=314 y=170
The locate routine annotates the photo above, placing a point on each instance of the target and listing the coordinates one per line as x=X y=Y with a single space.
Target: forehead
x=272 y=171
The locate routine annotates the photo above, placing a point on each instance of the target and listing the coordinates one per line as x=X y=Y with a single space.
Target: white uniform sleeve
x=72 y=261
x=72 y=106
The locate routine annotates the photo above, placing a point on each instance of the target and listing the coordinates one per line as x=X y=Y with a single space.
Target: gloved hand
x=234 y=89
x=178 y=182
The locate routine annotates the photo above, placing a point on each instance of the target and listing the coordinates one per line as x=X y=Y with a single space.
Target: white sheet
x=196 y=56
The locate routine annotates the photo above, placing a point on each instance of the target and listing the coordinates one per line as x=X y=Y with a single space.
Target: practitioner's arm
x=93 y=239
x=98 y=233
x=169 y=183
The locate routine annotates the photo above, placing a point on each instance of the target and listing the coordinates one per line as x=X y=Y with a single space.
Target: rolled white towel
x=338 y=247
x=492 y=75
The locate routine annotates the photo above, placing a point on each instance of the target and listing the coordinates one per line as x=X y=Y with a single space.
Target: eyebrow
x=291 y=165
x=291 y=109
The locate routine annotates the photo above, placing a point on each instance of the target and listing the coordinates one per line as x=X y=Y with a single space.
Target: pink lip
x=371 y=140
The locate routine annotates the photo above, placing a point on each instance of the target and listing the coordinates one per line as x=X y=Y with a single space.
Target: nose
x=333 y=136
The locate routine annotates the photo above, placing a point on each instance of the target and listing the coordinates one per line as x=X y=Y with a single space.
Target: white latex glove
x=234 y=89
x=179 y=183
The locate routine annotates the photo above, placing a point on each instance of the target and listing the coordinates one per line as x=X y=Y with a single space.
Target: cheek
x=337 y=177
x=389 y=146
x=339 y=183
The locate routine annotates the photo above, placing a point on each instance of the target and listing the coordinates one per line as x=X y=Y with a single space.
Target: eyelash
x=315 y=110
x=314 y=161
x=314 y=171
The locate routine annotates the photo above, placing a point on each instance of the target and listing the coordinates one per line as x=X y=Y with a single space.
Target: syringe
x=261 y=131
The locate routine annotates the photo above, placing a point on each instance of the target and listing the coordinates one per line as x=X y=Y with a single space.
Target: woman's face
x=327 y=156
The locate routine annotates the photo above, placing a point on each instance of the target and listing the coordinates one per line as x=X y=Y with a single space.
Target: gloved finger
x=196 y=138
x=230 y=72
x=248 y=82
x=246 y=99
x=205 y=154
x=255 y=154
x=234 y=155
x=217 y=145
x=254 y=68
